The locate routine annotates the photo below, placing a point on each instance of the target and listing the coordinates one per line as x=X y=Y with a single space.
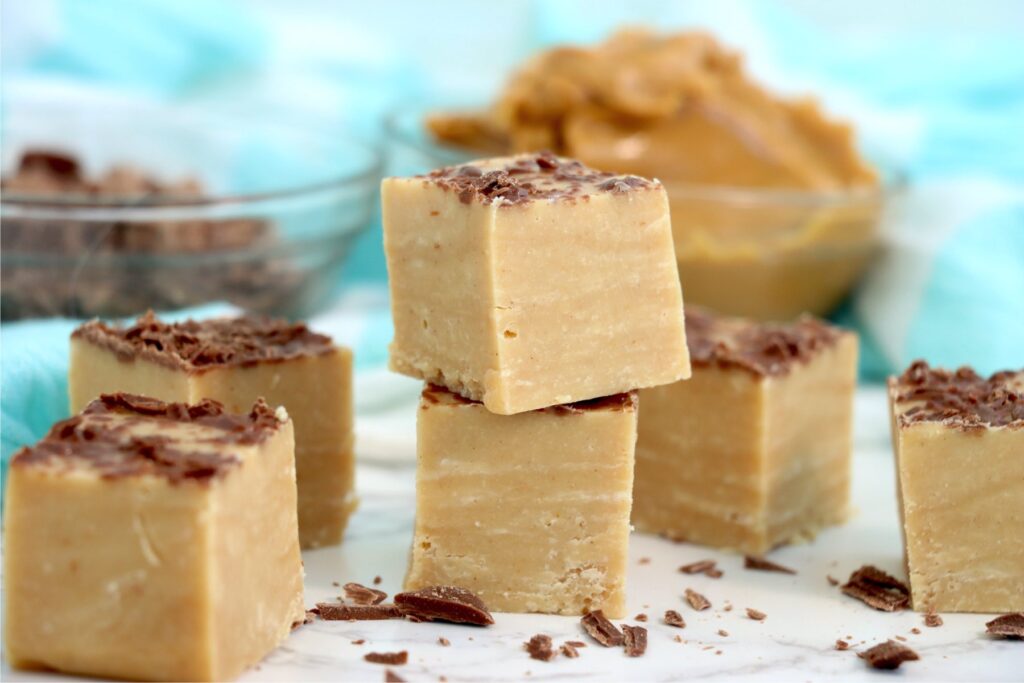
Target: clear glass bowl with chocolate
x=127 y=208
x=775 y=211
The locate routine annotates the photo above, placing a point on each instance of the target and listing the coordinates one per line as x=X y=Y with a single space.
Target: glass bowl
x=768 y=254
x=269 y=231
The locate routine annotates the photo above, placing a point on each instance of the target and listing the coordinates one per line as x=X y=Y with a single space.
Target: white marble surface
x=795 y=643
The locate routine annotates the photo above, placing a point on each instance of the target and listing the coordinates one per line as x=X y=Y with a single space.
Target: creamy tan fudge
x=959 y=441
x=754 y=450
x=530 y=281
x=150 y=540
x=530 y=511
x=235 y=361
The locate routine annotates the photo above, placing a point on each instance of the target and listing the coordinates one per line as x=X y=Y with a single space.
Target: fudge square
x=531 y=281
x=152 y=540
x=959 y=442
x=754 y=450
x=529 y=511
x=236 y=361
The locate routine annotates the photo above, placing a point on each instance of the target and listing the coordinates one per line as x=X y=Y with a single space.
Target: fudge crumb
x=1007 y=626
x=932 y=620
x=598 y=627
x=696 y=600
x=377 y=580
x=644 y=560
x=888 y=655
x=444 y=603
x=842 y=644
x=341 y=612
x=641 y=617
x=832 y=581
x=361 y=641
x=706 y=567
x=722 y=632
x=540 y=648
x=391 y=658
x=391 y=677
x=569 y=651
x=634 y=640
x=756 y=615
x=728 y=607
x=443 y=642
x=576 y=643
x=878 y=590
x=361 y=595
x=765 y=565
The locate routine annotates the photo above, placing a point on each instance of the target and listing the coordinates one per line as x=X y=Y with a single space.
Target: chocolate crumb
x=443 y=642
x=722 y=632
x=674 y=618
x=335 y=584
x=444 y=603
x=696 y=600
x=576 y=643
x=340 y=612
x=888 y=655
x=728 y=607
x=361 y=641
x=900 y=638
x=641 y=617
x=644 y=560
x=842 y=645
x=678 y=639
x=569 y=651
x=392 y=658
x=916 y=631
x=540 y=648
x=765 y=565
x=1007 y=626
x=932 y=620
x=391 y=677
x=832 y=581
x=377 y=580
x=598 y=627
x=756 y=615
x=878 y=590
x=634 y=640
x=361 y=595
x=698 y=567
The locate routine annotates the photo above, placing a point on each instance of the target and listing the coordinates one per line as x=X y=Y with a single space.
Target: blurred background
x=211 y=151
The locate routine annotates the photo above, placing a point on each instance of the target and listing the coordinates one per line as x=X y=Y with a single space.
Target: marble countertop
x=796 y=642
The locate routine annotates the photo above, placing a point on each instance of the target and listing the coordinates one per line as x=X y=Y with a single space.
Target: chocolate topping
x=197 y=346
x=434 y=395
x=518 y=180
x=961 y=399
x=759 y=348
x=101 y=438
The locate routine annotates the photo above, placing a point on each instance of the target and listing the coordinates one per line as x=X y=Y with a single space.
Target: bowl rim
x=370 y=172
x=893 y=178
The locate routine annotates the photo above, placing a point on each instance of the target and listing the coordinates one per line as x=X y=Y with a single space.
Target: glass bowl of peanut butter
x=775 y=212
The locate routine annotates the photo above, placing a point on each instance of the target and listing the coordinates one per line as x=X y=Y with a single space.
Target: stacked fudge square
x=534 y=296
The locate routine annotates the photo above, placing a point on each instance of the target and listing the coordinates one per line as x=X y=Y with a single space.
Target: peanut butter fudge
x=754 y=450
x=529 y=511
x=959 y=442
x=151 y=540
x=235 y=361
x=530 y=281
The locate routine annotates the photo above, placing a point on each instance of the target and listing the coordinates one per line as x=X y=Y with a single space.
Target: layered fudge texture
x=959 y=442
x=754 y=449
x=530 y=281
x=529 y=511
x=155 y=541
x=235 y=361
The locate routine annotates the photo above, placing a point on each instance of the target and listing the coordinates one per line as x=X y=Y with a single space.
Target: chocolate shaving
x=706 y=567
x=1007 y=626
x=888 y=655
x=696 y=600
x=932 y=620
x=444 y=603
x=361 y=595
x=674 y=618
x=540 y=647
x=634 y=640
x=877 y=589
x=569 y=650
x=763 y=565
x=330 y=611
x=598 y=627
x=842 y=645
x=390 y=658
x=756 y=615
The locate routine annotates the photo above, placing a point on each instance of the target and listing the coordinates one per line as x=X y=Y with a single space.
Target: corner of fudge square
x=152 y=540
x=753 y=450
x=959 y=444
x=529 y=281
